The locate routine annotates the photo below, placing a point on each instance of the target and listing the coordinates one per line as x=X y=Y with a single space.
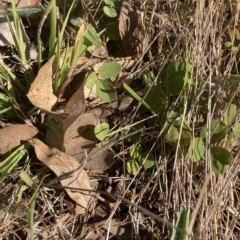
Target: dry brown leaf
x=82 y=63
x=41 y=92
x=54 y=139
x=81 y=130
x=62 y=163
x=99 y=160
x=79 y=141
x=27 y=3
x=74 y=107
x=6 y=37
x=130 y=27
x=13 y=135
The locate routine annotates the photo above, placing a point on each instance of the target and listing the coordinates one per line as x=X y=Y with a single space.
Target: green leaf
x=135 y=151
x=236 y=130
x=228 y=44
x=109 y=2
x=196 y=149
x=132 y=167
x=148 y=78
x=176 y=77
x=53 y=125
x=173 y=132
x=112 y=32
x=149 y=162
x=28 y=180
x=218 y=167
x=110 y=137
x=230 y=137
x=92 y=36
x=230 y=114
x=221 y=155
x=91 y=80
x=77 y=22
x=218 y=131
x=232 y=84
x=156 y=98
x=5 y=98
x=109 y=11
x=109 y=70
x=134 y=128
x=101 y=131
x=105 y=90
x=2 y=211
x=182 y=223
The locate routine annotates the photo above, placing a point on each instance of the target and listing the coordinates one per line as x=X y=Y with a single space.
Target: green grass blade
x=11 y=161
x=30 y=216
x=24 y=11
x=182 y=223
x=65 y=23
x=19 y=36
x=53 y=30
x=137 y=97
x=45 y=14
x=18 y=40
x=19 y=197
x=28 y=180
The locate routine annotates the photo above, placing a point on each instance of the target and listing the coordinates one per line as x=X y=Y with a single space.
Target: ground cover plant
x=119 y=119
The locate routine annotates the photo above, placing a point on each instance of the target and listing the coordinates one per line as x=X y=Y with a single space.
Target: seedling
x=105 y=89
x=12 y=160
x=109 y=9
x=139 y=158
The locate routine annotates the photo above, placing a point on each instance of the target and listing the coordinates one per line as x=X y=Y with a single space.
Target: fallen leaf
x=27 y=3
x=41 y=92
x=82 y=63
x=62 y=164
x=12 y=136
x=74 y=107
x=79 y=141
x=6 y=37
x=130 y=27
x=81 y=130
x=54 y=139
x=99 y=160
